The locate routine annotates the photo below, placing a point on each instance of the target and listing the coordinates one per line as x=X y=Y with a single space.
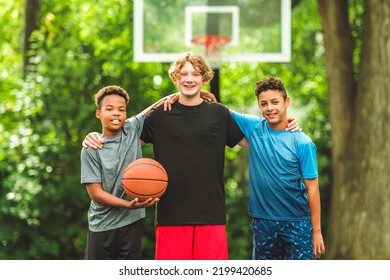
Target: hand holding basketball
x=136 y=204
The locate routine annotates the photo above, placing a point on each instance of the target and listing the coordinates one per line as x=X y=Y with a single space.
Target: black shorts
x=117 y=244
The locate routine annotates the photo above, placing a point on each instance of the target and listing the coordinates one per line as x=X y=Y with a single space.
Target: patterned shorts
x=279 y=240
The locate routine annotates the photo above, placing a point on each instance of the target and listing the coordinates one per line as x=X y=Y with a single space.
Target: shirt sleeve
x=247 y=123
x=308 y=157
x=235 y=134
x=90 y=166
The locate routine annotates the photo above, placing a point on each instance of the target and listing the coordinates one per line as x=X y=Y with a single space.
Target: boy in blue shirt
x=283 y=180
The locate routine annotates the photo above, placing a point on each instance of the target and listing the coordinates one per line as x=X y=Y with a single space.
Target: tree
x=31 y=11
x=357 y=78
x=76 y=48
x=79 y=46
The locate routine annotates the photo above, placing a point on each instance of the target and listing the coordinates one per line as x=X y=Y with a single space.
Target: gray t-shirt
x=106 y=166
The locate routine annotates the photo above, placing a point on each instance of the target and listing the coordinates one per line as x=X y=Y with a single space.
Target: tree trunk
x=31 y=11
x=359 y=227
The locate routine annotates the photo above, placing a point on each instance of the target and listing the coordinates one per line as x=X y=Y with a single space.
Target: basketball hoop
x=212 y=46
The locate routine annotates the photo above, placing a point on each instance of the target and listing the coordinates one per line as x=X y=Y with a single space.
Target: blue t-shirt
x=278 y=163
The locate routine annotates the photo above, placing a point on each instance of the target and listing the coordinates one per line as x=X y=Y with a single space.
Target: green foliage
x=80 y=47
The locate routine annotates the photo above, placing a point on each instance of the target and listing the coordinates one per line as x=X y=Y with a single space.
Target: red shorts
x=193 y=242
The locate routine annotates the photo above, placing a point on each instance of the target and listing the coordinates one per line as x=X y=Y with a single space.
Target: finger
x=100 y=138
x=97 y=137
x=133 y=202
x=144 y=203
x=89 y=144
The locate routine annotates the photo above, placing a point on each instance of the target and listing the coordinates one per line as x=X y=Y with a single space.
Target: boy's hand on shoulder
x=93 y=140
x=293 y=125
x=135 y=204
x=206 y=95
x=172 y=98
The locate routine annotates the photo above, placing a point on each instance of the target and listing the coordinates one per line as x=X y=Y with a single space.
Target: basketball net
x=211 y=46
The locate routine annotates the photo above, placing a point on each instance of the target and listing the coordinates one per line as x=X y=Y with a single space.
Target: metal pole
x=213 y=29
x=214 y=85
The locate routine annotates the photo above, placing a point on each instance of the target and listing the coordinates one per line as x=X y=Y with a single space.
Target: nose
x=190 y=78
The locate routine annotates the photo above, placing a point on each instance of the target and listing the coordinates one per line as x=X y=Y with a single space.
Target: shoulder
x=135 y=119
x=133 y=122
x=247 y=118
x=303 y=140
x=215 y=106
x=88 y=154
x=157 y=111
x=301 y=137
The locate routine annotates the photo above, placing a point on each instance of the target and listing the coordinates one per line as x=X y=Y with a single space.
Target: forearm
x=101 y=196
x=313 y=194
x=315 y=210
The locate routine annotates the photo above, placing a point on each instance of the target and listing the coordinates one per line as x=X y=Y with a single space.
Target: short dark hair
x=270 y=83
x=110 y=90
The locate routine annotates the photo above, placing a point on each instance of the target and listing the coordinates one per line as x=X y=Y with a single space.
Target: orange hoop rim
x=211 y=41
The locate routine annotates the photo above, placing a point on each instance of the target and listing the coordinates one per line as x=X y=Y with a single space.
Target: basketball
x=144 y=178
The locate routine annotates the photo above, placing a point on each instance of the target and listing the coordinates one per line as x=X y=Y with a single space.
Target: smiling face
x=190 y=82
x=112 y=114
x=273 y=107
x=189 y=73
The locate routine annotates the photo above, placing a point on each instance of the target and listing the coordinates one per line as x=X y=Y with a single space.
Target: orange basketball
x=144 y=178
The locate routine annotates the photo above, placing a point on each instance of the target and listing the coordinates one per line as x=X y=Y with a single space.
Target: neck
x=278 y=126
x=190 y=100
x=108 y=133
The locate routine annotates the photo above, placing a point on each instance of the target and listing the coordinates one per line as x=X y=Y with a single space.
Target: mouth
x=271 y=115
x=115 y=121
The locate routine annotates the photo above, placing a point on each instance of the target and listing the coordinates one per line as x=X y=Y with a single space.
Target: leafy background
x=82 y=46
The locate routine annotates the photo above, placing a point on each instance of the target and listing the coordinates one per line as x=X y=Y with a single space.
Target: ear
x=287 y=101
x=97 y=114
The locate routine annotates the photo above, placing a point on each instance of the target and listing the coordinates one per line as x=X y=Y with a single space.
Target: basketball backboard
x=258 y=30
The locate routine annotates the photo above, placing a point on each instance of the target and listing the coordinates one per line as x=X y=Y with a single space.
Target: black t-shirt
x=189 y=141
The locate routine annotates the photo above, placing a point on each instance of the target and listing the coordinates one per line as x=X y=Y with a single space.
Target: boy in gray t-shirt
x=114 y=220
